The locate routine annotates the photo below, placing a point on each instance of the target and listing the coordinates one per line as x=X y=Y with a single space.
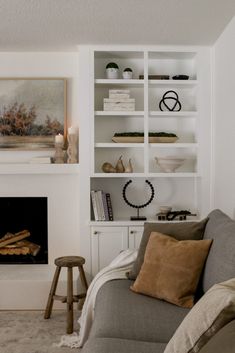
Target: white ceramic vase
x=127 y=75
x=112 y=73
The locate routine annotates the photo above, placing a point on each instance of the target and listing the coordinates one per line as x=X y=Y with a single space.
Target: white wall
x=224 y=121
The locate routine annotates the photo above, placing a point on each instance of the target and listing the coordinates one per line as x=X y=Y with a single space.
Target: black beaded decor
x=138 y=217
x=172 y=96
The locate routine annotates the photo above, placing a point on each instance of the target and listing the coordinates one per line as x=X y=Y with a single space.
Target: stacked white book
x=119 y=99
x=40 y=160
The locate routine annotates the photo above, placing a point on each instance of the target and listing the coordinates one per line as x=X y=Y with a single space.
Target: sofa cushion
x=180 y=231
x=223 y=341
x=220 y=264
x=212 y=312
x=117 y=345
x=121 y=313
x=172 y=268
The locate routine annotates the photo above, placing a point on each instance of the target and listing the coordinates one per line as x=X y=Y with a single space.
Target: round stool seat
x=69 y=261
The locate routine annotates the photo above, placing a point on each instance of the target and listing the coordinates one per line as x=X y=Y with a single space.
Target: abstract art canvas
x=32 y=112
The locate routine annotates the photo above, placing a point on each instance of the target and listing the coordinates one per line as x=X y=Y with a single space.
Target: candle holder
x=59 y=154
x=72 y=149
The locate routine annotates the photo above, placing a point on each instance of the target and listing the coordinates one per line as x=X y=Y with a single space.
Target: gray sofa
x=126 y=322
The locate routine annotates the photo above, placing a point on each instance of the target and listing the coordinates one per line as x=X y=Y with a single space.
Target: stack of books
x=40 y=160
x=101 y=205
x=119 y=99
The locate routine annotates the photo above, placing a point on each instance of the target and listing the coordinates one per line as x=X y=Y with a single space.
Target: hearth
x=23 y=230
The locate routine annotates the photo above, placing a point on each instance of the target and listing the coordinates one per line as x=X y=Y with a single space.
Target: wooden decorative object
x=155 y=77
x=72 y=149
x=59 y=154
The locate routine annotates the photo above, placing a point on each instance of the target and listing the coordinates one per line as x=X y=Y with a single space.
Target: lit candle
x=71 y=130
x=59 y=138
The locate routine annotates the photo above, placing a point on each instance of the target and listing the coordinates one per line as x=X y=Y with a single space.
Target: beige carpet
x=28 y=332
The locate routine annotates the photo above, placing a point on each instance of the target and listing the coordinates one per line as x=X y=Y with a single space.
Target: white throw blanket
x=115 y=270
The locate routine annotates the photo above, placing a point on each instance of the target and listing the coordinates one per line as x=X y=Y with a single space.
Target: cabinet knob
x=132 y=231
x=95 y=232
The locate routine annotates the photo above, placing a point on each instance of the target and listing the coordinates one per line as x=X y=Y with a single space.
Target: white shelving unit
x=186 y=188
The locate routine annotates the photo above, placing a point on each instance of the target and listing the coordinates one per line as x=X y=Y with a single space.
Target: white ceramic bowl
x=169 y=164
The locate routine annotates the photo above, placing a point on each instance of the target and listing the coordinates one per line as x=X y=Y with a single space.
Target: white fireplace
x=27 y=286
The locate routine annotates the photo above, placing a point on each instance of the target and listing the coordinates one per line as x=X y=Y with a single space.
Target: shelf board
x=174 y=145
x=174 y=175
x=118 y=175
x=118 y=145
x=175 y=83
x=119 y=113
x=39 y=168
x=141 y=145
x=125 y=82
x=128 y=222
x=120 y=222
x=146 y=175
x=181 y=114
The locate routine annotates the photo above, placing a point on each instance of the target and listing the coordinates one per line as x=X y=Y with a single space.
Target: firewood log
x=23 y=247
x=10 y=238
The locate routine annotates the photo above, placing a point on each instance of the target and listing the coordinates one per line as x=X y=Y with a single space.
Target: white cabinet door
x=134 y=237
x=106 y=244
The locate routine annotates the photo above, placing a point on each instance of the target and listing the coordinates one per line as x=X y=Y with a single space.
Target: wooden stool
x=69 y=262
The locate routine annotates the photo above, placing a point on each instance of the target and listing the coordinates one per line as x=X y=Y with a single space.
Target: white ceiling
x=64 y=24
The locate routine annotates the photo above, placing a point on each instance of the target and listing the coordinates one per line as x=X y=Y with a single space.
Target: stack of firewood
x=15 y=244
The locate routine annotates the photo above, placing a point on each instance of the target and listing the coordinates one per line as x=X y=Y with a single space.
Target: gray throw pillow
x=220 y=263
x=178 y=230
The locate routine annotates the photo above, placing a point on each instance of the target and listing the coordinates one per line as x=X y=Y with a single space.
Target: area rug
x=28 y=332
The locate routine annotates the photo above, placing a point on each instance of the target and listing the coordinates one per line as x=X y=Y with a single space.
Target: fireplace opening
x=23 y=230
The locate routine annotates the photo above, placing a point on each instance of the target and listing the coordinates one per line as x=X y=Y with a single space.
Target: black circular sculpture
x=170 y=95
x=138 y=217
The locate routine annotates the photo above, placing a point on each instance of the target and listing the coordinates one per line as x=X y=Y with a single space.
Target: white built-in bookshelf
x=187 y=187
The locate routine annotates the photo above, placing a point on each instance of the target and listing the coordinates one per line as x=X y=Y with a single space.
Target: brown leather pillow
x=172 y=268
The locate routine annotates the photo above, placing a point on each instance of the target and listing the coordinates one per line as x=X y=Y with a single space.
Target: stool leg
x=70 y=301
x=84 y=284
x=52 y=292
x=83 y=277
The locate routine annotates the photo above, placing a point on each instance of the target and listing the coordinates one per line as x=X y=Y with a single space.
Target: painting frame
x=43 y=136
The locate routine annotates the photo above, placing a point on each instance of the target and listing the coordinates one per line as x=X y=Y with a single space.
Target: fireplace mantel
x=22 y=168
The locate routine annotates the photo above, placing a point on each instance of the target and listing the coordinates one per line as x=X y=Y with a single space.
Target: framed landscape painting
x=32 y=112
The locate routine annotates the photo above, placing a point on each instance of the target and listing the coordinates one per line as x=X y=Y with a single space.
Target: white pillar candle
x=71 y=130
x=59 y=138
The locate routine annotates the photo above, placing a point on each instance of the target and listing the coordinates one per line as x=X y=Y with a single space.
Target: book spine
x=119 y=91
x=100 y=206
x=119 y=106
x=109 y=204
x=106 y=212
x=119 y=100
x=94 y=205
x=119 y=95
